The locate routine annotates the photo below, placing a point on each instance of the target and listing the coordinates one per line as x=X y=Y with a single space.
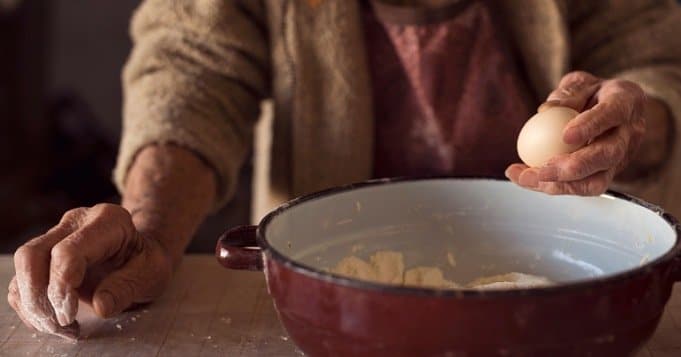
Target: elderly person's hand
x=610 y=127
x=109 y=256
x=94 y=254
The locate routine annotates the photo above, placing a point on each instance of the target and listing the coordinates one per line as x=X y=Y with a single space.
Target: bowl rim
x=312 y=272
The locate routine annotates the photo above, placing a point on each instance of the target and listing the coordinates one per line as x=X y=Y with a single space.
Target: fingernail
x=529 y=179
x=106 y=303
x=507 y=173
x=548 y=173
x=62 y=318
x=548 y=104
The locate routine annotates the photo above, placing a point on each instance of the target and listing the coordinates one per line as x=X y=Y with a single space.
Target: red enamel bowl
x=614 y=259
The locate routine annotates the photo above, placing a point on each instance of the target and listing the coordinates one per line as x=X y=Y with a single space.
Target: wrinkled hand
x=610 y=126
x=95 y=255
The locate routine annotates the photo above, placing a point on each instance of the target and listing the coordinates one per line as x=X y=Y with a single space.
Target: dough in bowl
x=509 y=281
x=388 y=267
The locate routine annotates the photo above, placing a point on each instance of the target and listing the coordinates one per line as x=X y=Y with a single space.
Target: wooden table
x=210 y=311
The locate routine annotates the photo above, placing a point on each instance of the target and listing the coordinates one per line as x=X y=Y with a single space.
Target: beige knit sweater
x=200 y=69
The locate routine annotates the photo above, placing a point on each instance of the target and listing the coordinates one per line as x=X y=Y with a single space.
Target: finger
x=14 y=303
x=594 y=122
x=593 y=185
x=70 y=332
x=529 y=178
x=139 y=281
x=106 y=233
x=627 y=94
x=575 y=90
x=513 y=171
x=31 y=262
x=607 y=152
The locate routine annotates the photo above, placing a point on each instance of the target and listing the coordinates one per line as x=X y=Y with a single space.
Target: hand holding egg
x=582 y=136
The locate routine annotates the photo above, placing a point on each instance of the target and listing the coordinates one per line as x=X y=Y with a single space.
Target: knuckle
x=627 y=86
x=631 y=94
x=607 y=114
x=578 y=76
x=105 y=207
x=589 y=128
x=619 y=83
x=577 y=79
x=103 y=210
x=64 y=250
x=575 y=168
x=603 y=112
x=74 y=214
x=75 y=239
x=129 y=286
x=110 y=211
x=609 y=153
x=25 y=253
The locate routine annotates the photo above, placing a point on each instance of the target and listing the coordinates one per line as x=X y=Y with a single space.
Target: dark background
x=60 y=110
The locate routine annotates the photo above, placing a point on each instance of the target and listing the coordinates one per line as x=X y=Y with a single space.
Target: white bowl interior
x=488 y=226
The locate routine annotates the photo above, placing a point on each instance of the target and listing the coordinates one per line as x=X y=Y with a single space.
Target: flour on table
x=388 y=267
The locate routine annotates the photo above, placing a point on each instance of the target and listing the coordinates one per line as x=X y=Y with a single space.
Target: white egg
x=541 y=138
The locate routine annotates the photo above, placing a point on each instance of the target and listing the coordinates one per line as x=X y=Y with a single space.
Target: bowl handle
x=237 y=249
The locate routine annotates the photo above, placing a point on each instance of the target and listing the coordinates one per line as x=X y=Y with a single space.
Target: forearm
x=169 y=191
x=656 y=144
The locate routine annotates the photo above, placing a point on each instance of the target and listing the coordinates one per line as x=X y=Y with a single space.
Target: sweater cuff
x=159 y=119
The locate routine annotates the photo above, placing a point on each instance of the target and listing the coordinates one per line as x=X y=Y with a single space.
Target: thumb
x=117 y=292
x=575 y=91
x=140 y=280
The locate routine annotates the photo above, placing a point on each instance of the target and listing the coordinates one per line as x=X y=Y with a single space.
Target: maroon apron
x=449 y=98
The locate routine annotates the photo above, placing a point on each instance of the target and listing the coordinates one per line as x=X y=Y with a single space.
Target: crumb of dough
x=354 y=267
x=383 y=267
x=389 y=267
x=428 y=277
x=509 y=281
